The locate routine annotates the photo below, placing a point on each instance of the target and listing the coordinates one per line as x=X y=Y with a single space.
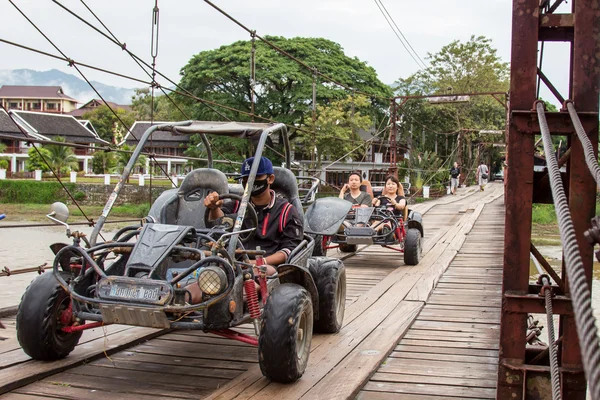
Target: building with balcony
x=163 y=144
x=44 y=126
x=48 y=99
x=95 y=103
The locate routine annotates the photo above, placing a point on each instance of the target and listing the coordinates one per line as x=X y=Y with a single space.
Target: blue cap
x=265 y=167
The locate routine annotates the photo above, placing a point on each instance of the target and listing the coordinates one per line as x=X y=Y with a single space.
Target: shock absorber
x=252 y=300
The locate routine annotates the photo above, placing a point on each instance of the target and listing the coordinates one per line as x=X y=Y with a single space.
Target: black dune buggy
x=360 y=227
x=139 y=276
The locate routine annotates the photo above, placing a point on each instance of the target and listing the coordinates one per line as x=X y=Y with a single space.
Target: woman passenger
x=392 y=197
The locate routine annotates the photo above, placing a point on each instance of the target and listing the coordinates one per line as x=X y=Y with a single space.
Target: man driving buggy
x=279 y=229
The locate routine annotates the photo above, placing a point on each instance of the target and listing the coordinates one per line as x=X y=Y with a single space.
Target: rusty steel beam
x=556 y=27
x=550 y=86
x=526 y=121
x=584 y=92
x=547 y=267
x=519 y=184
x=534 y=303
x=582 y=29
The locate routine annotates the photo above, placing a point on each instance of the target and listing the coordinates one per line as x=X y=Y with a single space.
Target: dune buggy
x=374 y=225
x=139 y=276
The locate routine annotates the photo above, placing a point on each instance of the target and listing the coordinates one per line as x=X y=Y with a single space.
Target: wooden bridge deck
x=451 y=350
x=384 y=298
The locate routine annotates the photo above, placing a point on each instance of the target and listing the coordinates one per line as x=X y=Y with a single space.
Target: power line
x=285 y=53
x=382 y=8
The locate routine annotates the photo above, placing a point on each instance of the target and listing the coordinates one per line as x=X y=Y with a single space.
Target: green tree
x=61 y=158
x=164 y=109
x=123 y=158
x=3 y=161
x=459 y=67
x=103 y=162
x=35 y=161
x=335 y=128
x=283 y=88
x=107 y=125
x=229 y=149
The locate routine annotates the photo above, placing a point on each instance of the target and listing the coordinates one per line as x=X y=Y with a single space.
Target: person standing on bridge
x=454 y=178
x=482 y=175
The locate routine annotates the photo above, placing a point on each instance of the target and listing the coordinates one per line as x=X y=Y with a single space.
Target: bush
x=79 y=195
x=33 y=192
x=3 y=163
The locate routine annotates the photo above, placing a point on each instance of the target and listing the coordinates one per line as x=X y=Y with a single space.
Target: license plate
x=134 y=290
x=134 y=293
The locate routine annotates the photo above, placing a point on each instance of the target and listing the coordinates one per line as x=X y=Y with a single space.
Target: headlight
x=212 y=280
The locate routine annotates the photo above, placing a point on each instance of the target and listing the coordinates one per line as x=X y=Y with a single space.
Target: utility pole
x=393 y=170
x=459 y=155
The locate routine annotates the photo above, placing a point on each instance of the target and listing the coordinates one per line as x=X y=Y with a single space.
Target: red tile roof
x=35 y=92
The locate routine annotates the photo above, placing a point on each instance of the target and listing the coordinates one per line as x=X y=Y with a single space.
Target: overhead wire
x=83 y=76
x=311 y=69
x=397 y=30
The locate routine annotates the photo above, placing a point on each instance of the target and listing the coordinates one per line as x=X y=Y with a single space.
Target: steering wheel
x=244 y=238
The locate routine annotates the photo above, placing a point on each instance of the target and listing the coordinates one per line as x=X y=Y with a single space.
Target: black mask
x=259 y=187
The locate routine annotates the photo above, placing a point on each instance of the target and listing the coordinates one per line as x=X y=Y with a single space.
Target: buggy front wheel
x=40 y=319
x=412 y=247
x=285 y=333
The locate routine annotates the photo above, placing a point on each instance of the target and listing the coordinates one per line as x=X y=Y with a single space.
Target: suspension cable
x=588 y=149
x=580 y=291
x=552 y=344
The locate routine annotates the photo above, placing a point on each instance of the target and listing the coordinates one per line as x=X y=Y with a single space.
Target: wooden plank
x=192 y=360
x=52 y=390
x=345 y=380
x=439 y=390
x=22 y=374
x=122 y=384
x=434 y=380
x=445 y=357
x=370 y=395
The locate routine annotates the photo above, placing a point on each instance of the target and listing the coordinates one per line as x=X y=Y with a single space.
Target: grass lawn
x=37 y=212
x=113 y=180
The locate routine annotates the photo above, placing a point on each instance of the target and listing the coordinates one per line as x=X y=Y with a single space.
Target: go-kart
x=373 y=225
x=139 y=276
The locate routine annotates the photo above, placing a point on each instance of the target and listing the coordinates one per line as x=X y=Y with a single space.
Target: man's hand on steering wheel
x=212 y=201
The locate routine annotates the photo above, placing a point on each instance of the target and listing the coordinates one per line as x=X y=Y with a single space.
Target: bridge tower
x=520 y=375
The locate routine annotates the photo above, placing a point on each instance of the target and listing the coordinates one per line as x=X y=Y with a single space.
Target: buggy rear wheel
x=347 y=248
x=39 y=316
x=412 y=247
x=320 y=248
x=330 y=277
x=285 y=333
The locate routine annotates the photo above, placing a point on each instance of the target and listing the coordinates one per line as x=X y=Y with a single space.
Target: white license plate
x=134 y=293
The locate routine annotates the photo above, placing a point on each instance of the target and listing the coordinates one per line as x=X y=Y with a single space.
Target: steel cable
x=579 y=289
x=588 y=149
x=554 y=371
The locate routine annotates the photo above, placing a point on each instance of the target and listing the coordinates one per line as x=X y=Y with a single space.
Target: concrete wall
x=96 y=194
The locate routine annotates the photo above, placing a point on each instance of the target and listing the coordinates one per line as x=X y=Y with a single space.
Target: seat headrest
x=285 y=183
x=204 y=178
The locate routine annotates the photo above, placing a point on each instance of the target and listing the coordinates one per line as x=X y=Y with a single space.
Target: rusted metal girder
x=517 y=379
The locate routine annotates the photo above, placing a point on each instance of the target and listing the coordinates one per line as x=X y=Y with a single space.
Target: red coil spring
x=252 y=297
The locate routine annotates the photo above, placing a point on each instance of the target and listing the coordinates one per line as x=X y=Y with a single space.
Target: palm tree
x=61 y=158
x=123 y=159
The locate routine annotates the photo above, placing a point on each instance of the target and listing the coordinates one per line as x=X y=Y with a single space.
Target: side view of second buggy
x=371 y=226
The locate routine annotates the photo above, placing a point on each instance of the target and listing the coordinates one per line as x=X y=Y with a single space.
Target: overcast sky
x=190 y=26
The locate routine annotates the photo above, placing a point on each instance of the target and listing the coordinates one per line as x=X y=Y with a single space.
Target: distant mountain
x=72 y=85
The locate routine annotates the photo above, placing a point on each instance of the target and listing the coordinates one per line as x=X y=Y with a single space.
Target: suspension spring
x=252 y=297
